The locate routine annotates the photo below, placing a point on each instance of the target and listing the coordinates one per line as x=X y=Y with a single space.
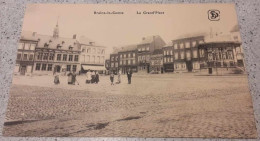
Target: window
x=112 y=58
x=25 y=57
x=68 y=67
x=133 y=62
x=201 y=51
x=194 y=43
x=182 y=55
x=70 y=57
x=188 y=56
x=165 y=60
x=44 y=67
x=171 y=52
x=84 y=49
x=210 y=57
x=181 y=46
x=112 y=64
x=76 y=58
x=120 y=55
x=32 y=47
x=64 y=57
x=103 y=51
x=171 y=59
x=45 y=56
x=116 y=58
x=175 y=46
x=19 y=55
x=124 y=55
x=58 y=57
x=126 y=62
x=195 y=54
x=129 y=55
x=31 y=57
x=98 y=59
x=89 y=50
x=74 y=68
x=70 y=48
x=51 y=56
x=139 y=49
x=20 y=45
x=133 y=54
x=120 y=63
x=88 y=58
x=230 y=55
x=94 y=58
x=187 y=44
x=176 y=55
x=49 y=67
x=200 y=42
x=26 y=46
x=116 y=65
x=39 y=56
x=93 y=50
x=98 y=51
x=38 y=66
x=147 y=48
x=143 y=49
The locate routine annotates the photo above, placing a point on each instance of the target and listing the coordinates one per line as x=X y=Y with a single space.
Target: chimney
x=34 y=34
x=75 y=36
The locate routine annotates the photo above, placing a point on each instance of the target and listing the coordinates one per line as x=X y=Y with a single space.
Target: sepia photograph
x=130 y=70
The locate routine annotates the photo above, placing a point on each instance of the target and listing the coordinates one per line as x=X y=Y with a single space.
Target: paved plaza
x=154 y=105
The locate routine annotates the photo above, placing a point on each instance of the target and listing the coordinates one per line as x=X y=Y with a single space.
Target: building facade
x=182 y=55
x=25 y=54
x=157 y=61
x=114 y=61
x=92 y=56
x=145 y=49
x=128 y=58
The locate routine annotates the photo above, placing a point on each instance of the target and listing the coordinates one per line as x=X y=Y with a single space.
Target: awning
x=88 y=67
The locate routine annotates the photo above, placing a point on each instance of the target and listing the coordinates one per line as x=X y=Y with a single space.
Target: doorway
x=23 y=70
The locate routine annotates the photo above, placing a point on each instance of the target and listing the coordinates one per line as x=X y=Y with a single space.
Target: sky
x=128 y=28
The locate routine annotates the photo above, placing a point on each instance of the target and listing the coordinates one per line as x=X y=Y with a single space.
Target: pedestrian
x=112 y=77
x=129 y=76
x=88 y=77
x=56 y=79
x=119 y=77
x=97 y=77
x=74 y=75
x=93 y=76
x=70 y=77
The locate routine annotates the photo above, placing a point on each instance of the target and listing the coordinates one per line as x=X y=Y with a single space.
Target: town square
x=154 y=105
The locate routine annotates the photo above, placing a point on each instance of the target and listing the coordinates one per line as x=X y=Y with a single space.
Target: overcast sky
x=129 y=28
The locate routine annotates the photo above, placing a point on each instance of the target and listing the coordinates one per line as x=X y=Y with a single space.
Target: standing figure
x=74 y=75
x=56 y=79
x=112 y=77
x=70 y=77
x=119 y=77
x=93 y=76
x=97 y=77
x=88 y=77
x=129 y=76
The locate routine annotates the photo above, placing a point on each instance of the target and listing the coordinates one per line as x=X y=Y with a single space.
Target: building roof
x=86 y=41
x=157 y=51
x=149 y=39
x=169 y=44
x=52 y=42
x=28 y=35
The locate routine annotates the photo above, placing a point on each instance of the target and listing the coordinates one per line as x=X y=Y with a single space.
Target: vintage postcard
x=130 y=70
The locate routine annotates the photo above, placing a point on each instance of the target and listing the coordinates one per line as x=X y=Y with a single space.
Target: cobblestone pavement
x=167 y=105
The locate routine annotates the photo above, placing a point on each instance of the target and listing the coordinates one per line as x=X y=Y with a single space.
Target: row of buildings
x=43 y=54
x=212 y=53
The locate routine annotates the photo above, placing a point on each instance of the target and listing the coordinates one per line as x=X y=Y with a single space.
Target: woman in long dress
x=70 y=78
x=119 y=76
x=56 y=79
x=88 y=77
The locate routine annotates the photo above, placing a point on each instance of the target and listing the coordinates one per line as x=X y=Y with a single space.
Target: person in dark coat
x=93 y=77
x=70 y=78
x=97 y=77
x=129 y=76
x=74 y=75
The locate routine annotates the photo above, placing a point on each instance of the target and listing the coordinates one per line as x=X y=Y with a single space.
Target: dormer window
x=91 y=43
x=62 y=42
x=46 y=45
x=50 y=41
x=70 y=47
x=58 y=46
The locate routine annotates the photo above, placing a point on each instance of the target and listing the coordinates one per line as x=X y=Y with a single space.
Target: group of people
x=112 y=76
x=92 y=77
